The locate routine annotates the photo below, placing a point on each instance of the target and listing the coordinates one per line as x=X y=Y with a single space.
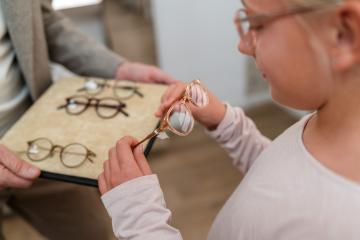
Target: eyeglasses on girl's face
x=246 y=22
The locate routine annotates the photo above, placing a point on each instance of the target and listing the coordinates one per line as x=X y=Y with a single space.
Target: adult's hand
x=139 y=72
x=15 y=172
x=124 y=164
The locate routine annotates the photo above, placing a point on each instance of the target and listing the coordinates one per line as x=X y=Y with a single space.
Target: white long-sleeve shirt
x=285 y=194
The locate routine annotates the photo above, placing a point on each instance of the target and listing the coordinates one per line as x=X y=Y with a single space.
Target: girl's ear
x=347 y=52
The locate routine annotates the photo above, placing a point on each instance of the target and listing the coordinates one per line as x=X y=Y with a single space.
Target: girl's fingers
x=174 y=93
x=113 y=162
x=141 y=160
x=102 y=184
x=125 y=154
x=107 y=173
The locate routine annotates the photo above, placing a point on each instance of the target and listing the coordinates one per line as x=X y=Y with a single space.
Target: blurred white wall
x=64 y=4
x=197 y=39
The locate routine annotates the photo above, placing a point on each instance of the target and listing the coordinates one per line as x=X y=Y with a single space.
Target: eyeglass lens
x=180 y=118
x=94 y=86
x=198 y=95
x=39 y=149
x=124 y=89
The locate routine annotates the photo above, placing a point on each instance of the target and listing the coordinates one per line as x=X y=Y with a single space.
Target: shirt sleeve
x=138 y=212
x=71 y=48
x=239 y=136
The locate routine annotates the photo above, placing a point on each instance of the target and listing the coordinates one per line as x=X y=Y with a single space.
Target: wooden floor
x=195 y=173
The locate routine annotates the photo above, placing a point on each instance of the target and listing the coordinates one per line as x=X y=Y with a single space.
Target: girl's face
x=292 y=60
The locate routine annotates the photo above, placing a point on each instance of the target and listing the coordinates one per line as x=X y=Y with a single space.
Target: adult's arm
x=73 y=49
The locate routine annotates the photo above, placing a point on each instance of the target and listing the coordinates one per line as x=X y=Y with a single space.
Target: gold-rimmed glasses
x=72 y=155
x=246 y=23
x=121 y=89
x=178 y=119
x=105 y=107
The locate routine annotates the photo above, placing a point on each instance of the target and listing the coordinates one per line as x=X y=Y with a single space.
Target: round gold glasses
x=71 y=155
x=122 y=89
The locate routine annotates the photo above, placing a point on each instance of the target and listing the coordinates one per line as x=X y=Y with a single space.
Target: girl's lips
x=260 y=70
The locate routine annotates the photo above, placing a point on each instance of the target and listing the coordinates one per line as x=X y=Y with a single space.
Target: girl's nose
x=246 y=48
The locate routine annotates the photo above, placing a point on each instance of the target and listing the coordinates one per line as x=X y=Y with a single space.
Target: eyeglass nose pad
x=52 y=151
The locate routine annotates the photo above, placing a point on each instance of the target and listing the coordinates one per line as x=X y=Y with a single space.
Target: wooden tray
x=43 y=119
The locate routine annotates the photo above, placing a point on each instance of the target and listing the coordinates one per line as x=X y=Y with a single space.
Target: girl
x=304 y=184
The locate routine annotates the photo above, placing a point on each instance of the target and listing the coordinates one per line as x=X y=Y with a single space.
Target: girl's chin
x=278 y=98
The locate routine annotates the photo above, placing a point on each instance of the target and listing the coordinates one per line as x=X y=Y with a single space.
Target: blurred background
x=188 y=39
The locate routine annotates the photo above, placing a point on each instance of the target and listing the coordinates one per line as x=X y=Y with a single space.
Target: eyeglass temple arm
x=123 y=112
x=61 y=106
x=81 y=89
x=151 y=135
x=138 y=93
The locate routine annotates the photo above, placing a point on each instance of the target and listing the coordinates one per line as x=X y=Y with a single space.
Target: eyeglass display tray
x=43 y=119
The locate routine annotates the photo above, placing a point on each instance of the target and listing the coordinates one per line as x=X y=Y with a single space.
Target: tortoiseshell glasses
x=105 y=107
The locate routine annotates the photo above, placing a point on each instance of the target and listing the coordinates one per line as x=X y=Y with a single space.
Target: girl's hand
x=209 y=116
x=124 y=164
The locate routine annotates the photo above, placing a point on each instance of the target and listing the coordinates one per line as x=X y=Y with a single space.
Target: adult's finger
x=17 y=166
x=159 y=76
x=141 y=160
x=9 y=179
x=102 y=184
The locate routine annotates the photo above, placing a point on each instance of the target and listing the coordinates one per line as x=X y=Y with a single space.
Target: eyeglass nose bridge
x=91 y=100
x=185 y=98
x=53 y=148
